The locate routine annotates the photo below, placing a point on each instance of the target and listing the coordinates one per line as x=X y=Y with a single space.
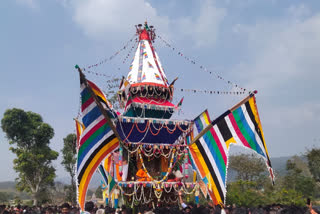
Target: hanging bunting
x=200 y=66
x=112 y=56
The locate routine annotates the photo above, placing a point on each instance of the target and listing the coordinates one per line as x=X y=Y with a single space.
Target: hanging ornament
x=120 y=160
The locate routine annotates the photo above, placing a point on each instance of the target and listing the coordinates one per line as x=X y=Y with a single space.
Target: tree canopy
x=69 y=155
x=253 y=187
x=30 y=138
x=247 y=167
x=313 y=156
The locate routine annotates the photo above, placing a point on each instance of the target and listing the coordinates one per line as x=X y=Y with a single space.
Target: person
x=100 y=211
x=183 y=205
x=222 y=209
x=89 y=207
x=65 y=208
x=186 y=208
x=311 y=210
x=49 y=210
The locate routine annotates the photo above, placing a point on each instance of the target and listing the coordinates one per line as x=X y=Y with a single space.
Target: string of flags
x=192 y=61
x=97 y=74
x=130 y=51
x=112 y=56
x=115 y=86
x=212 y=91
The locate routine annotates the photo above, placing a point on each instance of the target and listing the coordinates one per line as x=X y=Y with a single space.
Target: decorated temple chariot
x=145 y=157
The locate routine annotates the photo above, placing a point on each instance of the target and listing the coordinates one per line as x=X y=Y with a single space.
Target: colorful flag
x=108 y=164
x=112 y=185
x=103 y=175
x=97 y=140
x=157 y=76
x=150 y=65
x=145 y=55
x=79 y=129
x=100 y=94
x=180 y=102
x=240 y=126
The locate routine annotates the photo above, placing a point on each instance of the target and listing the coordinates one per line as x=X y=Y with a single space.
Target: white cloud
x=102 y=19
x=281 y=52
x=105 y=19
x=300 y=10
x=281 y=60
x=204 y=28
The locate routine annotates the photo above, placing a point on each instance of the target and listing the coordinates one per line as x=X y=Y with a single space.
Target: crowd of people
x=191 y=208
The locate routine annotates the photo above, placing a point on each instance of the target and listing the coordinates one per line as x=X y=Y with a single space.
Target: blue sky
x=272 y=46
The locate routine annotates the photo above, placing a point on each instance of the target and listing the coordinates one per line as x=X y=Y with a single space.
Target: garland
x=208 y=91
x=157 y=191
x=167 y=173
x=148 y=128
x=153 y=120
x=169 y=200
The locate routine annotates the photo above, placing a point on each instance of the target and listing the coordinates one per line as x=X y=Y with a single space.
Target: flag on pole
x=209 y=150
x=97 y=140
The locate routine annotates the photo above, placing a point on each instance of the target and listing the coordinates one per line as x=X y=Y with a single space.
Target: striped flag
x=240 y=126
x=97 y=140
x=79 y=129
x=112 y=184
x=103 y=174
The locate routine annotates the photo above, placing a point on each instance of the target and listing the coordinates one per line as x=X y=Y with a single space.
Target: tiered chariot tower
x=153 y=144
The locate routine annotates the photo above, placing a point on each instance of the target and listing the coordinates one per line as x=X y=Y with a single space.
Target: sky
x=271 y=46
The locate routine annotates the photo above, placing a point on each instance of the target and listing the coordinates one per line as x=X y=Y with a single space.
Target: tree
x=69 y=155
x=245 y=193
x=251 y=178
x=4 y=197
x=30 y=139
x=298 y=183
x=99 y=192
x=248 y=167
x=313 y=156
x=111 y=92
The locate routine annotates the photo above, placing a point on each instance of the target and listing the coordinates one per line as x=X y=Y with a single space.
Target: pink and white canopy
x=146 y=68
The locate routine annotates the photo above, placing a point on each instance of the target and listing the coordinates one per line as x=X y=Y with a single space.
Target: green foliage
x=17 y=200
x=178 y=163
x=292 y=188
x=297 y=181
x=99 y=192
x=313 y=156
x=4 y=197
x=245 y=193
x=69 y=155
x=248 y=167
x=30 y=138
